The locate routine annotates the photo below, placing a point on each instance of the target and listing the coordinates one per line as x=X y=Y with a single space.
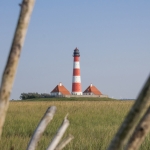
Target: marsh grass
x=72 y=99
x=93 y=123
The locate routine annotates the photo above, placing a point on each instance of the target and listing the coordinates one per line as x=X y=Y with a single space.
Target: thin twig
x=12 y=62
x=48 y=116
x=137 y=111
x=64 y=142
x=140 y=133
x=59 y=134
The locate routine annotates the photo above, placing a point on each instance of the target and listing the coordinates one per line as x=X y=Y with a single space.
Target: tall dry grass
x=93 y=123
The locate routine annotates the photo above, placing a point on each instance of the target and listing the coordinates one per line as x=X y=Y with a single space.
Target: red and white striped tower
x=76 y=80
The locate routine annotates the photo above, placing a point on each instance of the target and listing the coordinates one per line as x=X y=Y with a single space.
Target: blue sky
x=113 y=38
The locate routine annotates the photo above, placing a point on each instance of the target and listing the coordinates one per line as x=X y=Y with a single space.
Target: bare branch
x=12 y=62
x=48 y=116
x=140 y=133
x=137 y=111
x=59 y=134
x=64 y=142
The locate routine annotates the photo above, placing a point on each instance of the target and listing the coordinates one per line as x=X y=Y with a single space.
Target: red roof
x=60 y=88
x=92 y=89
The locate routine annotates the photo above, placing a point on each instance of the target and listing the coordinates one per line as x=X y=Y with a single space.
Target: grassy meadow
x=93 y=123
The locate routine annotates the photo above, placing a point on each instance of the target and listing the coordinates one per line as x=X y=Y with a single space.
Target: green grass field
x=93 y=123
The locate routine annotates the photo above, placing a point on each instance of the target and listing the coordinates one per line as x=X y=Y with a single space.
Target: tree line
x=24 y=96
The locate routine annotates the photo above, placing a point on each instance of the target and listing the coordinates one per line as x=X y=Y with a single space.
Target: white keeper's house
x=59 y=90
x=92 y=90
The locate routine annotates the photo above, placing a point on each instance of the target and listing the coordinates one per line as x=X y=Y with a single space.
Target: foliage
x=24 y=96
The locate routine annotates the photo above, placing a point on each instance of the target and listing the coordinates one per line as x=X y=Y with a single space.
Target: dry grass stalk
x=59 y=134
x=64 y=142
x=140 y=133
x=12 y=62
x=137 y=111
x=41 y=127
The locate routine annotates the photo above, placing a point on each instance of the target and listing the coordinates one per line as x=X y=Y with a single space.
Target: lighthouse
x=76 y=80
